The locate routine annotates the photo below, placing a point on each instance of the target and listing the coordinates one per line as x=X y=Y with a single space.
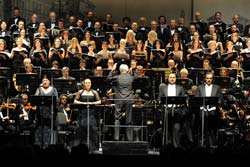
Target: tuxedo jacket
x=163 y=92
x=201 y=92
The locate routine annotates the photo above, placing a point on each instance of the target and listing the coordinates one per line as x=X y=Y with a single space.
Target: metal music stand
x=203 y=101
x=6 y=73
x=45 y=101
x=80 y=107
x=198 y=72
x=173 y=100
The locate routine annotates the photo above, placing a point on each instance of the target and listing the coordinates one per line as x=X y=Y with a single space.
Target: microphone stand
x=52 y=137
x=202 y=121
x=88 y=121
x=165 y=124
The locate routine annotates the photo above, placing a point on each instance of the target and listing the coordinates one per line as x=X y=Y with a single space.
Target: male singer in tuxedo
x=209 y=89
x=171 y=89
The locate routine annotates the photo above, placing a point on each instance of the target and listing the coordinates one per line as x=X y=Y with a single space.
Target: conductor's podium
x=139 y=144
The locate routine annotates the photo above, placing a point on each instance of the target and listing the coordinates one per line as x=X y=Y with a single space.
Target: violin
x=9 y=105
x=30 y=107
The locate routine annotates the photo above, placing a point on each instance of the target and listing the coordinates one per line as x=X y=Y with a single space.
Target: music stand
x=223 y=82
x=5 y=72
x=48 y=101
x=65 y=85
x=30 y=80
x=80 y=75
x=203 y=101
x=99 y=83
x=2 y=86
x=246 y=84
x=106 y=72
x=183 y=82
x=80 y=107
x=198 y=72
x=51 y=73
x=173 y=100
x=35 y=69
x=141 y=84
x=246 y=74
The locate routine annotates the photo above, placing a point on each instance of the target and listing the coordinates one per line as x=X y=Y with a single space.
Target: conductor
x=123 y=98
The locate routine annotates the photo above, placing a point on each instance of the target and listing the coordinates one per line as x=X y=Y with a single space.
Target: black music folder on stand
x=65 y=85
x=184 y=82
x=100 y=84
x=174 y=101
x=31 y=80
x=80 y=75
x=51 y=73
x=223 y=82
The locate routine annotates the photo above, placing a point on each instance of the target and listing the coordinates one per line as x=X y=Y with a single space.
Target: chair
x=62 y=133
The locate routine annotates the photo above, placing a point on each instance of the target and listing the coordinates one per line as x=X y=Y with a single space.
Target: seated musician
x=232 y=115
x=98 y=71
x=26 y=113
x=224 y=72
x=26 y=116
x=63 y=107
x=82 y=64
x=7 y=119
x=65 y=74
x=189 y=82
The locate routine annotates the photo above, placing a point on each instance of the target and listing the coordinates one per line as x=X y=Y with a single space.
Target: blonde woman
x=74 y=54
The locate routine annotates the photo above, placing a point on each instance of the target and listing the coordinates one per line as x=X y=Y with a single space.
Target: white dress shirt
x=208 y=90
x=171 y=90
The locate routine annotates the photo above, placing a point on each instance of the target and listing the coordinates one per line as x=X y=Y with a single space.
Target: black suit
x=176 y=119
x=123 y=90
x=211 y=117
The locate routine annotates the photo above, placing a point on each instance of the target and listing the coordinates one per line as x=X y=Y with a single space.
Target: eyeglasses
x=25 y=99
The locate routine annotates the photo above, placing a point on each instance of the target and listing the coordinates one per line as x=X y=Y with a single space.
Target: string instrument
x=68 y=109
x=29 y=107
x=231 y=116
x=8 y=106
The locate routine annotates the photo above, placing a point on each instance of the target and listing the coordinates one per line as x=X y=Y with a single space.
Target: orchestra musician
x=232 y=117
x=6 y=121
x=63 y=107
x=188 y=83
x=26 y=116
